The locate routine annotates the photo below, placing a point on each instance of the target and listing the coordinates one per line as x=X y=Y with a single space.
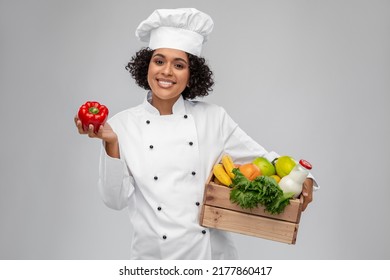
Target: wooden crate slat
x=249 y=224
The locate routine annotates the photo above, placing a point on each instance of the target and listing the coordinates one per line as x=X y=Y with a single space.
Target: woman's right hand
x=105 y=133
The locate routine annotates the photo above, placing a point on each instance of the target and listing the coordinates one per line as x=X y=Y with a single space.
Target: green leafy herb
x=262 y=191
x=277 y=206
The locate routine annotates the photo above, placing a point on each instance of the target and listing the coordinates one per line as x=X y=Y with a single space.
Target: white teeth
x=165 y=83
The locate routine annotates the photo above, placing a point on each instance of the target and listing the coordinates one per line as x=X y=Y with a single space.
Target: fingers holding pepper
x=89 y=130
x=94 y=132
x=79 y=125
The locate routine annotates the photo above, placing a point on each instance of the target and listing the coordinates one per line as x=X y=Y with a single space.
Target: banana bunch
x=223 y=171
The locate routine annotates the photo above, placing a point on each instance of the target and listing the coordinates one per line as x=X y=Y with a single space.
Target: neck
x=164 y=106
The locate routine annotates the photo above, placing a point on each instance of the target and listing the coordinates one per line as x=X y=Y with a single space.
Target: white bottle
x=294 y=180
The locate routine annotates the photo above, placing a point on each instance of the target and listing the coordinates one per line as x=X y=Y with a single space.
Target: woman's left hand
x=307 y=192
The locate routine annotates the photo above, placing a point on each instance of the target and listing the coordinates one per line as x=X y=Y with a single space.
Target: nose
x=167 y=70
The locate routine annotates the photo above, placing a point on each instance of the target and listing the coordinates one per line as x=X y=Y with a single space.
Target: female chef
x=157 y=156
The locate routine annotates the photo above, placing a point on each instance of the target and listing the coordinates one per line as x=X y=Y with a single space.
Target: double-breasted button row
x=159 y=208
x=152 y=147
x=148 y=121
x=156 y=178
x=165 y=236
x=193 y=173
x=189 y=143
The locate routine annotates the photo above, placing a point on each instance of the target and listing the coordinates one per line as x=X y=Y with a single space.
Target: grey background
x=304 y=78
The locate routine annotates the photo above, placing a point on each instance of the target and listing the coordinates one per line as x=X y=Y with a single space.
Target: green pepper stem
x=93 y=110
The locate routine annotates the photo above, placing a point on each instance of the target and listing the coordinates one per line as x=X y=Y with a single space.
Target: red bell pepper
x=94 y=113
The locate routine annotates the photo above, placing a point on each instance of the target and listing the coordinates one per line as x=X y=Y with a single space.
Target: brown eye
x=179 y=66
x=159 y=62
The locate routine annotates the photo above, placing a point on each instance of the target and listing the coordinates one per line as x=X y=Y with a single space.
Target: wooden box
x=218 y=212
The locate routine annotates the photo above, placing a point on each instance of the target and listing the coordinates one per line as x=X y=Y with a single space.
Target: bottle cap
x=305 y=164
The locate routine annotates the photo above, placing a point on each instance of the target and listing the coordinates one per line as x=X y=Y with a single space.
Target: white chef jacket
x=160 y=177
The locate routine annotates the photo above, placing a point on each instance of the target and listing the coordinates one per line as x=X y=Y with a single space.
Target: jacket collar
x=178 y=107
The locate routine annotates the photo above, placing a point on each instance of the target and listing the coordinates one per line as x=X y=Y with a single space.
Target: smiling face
x=168 y=76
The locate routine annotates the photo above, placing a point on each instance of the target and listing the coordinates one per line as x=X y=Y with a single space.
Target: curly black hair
x=201 y=77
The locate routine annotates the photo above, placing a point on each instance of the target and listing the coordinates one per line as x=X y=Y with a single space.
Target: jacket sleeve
x=239 y=145
x=242 y=148
x=115 y=181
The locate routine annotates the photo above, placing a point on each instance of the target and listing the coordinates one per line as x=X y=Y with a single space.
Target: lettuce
x=263 y=191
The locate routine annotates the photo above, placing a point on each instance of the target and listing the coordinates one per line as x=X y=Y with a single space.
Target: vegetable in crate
x=263 y=191
x=94 y=113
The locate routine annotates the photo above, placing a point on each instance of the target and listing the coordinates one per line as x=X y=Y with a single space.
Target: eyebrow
x=176 y=58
